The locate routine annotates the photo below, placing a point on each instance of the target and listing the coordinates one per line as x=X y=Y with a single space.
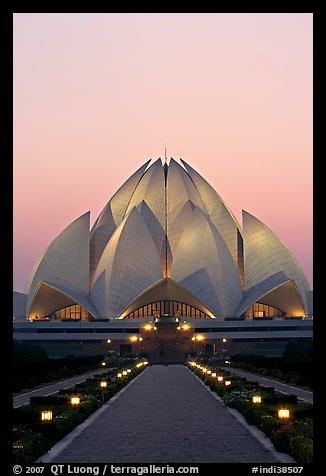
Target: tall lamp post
x=198 y=338
x=109 y=346
x=135 y=339
x=224 y=350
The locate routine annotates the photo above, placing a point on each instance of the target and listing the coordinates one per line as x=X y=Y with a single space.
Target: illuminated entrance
x=167 y=308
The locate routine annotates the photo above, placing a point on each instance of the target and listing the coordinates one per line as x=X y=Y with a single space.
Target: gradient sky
x=96 y=95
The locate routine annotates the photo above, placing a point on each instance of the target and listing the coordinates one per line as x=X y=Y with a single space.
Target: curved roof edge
x=126 y=190
x=266 y=253
x=264 y=287
x=279 y=292
x=166 y=289
x=61 y=297
x=66 y=259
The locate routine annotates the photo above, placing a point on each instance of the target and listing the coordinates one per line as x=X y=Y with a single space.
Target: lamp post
x=135 y=339
x=201 y=339
x=103 y=386
x=224 y=350
x=283 y=413
x=109 y=346
x=46 y=415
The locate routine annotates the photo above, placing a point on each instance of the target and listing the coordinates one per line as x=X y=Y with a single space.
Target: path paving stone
x=165 y=416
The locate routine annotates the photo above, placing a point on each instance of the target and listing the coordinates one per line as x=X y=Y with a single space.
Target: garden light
x=75 y=401
x=283 y=413
x=209 y=371
x=103 y=364
x=103 y=384
x=124 y=372
x=256 y=399
x=224 y=340
x=119 y=375
x=227 y=382
x=213 y=374
x=128 y=370
x=109 y=341
x=220 y=378
x=46 y=415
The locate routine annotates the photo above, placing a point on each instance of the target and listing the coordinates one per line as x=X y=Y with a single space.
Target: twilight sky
x=96 y=95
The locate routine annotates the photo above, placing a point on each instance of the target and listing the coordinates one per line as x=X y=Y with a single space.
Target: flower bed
x=32 y=437
x=292 y=435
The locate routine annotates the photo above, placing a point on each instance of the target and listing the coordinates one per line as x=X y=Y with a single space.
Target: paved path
x=23 y=399
x=165 y=416
x=305 y=395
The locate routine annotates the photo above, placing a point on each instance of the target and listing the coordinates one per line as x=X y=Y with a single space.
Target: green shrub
x=48 y=401
x=281 y=438
x=301 y=449
x=303 y=410
x=27 y=449
x=280 y=399
x=26 y=414
x=269 y=423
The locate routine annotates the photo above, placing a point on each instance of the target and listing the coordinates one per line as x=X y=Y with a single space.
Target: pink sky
x=96 y=95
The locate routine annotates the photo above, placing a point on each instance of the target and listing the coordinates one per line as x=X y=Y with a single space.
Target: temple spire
x=165 y=159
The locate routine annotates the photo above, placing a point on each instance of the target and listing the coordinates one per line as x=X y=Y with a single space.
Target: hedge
x=293 y=437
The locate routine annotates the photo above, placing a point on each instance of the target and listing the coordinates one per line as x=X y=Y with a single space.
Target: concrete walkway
x=304 y=395
x=166 y=415
x=50 y=389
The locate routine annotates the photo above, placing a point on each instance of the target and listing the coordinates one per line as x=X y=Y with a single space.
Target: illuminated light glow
x=155 y=328
x=205 y=371
x=124 y=372
x=209 y=371
x=103 y=384
x=145 y=363
x=227 y=382
x=186 y=327
x=109 y=341
x=128 y=370
x=283 y=413
x=140 y=339
x=148 y=327
x=103 y=364
x=224 y=340
x=220 y=378
x=75 y=401
x=200 y=338
x=119 y=375
x=46 y=415
x=134 y=338
x=213 y=374
x=193 y=338
x=256 y=399
x=178 y=328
